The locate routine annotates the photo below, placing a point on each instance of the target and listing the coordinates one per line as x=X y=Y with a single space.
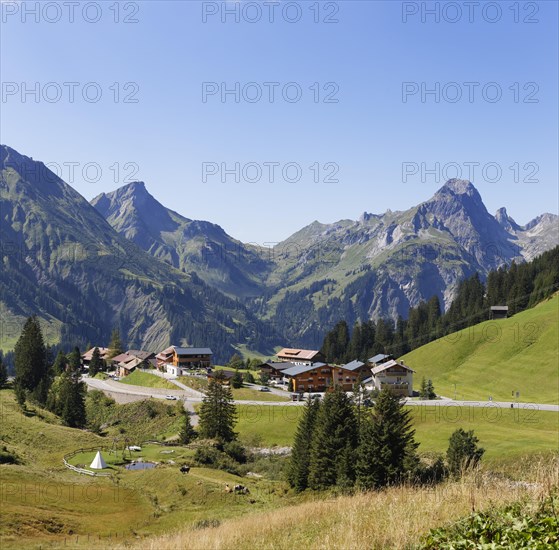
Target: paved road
x=190 y=396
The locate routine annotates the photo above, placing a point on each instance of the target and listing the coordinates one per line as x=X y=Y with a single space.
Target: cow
x=241 y=489
x=185 y=469
x=227 y=488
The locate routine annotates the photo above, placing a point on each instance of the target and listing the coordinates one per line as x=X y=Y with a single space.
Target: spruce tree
x=115 y=345
x=237 y=380
x=217 y=412
x=298 y=470
x=386 y=446
x=60 y=363
x=75 y=360
x=335 y=432
x=30 y=358
x=423 y=389
x=430 y=390
x=71 y=401
x=463 y=451
x=3 y=373
x=95 y=365
x=187 y=433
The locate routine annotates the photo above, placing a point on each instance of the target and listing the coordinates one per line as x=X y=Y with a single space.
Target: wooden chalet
x=300 y=356
x=87 y=356
x=184 y=358
x=394 y=375
x=275 y=370
x=224 y=376
x=498 y=312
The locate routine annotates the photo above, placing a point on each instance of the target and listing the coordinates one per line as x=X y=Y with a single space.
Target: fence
x=82 y=470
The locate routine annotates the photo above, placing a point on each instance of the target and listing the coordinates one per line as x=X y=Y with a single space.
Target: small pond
x=140 y=465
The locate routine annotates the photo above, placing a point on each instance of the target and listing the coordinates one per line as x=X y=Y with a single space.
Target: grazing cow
x=241 y=489
x=185 y=469
x=227 y=488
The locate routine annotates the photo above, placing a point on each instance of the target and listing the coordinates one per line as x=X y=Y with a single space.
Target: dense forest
x=519 y=286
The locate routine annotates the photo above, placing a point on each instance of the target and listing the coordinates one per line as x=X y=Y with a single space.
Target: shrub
x=236 y=451
x=463 y=452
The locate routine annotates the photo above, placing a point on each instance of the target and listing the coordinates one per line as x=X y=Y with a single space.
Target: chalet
x=379 y=359
x=300 y=356
x=124 y=368
x=316 y=377
x=184 y=358
x=498 y=312
x=86 y=357
x=394 y=375
x=224 y=376
x=275 y=370
x=358 y=367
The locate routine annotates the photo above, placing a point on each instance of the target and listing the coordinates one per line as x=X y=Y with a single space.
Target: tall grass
x=393 y=518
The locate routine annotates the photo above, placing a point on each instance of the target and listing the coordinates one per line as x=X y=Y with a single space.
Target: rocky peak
x=505 y=220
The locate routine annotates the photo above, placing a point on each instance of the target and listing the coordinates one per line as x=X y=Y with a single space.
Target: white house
x=394 y=375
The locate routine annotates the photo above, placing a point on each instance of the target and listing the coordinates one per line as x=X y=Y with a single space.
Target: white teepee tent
x=98 y=462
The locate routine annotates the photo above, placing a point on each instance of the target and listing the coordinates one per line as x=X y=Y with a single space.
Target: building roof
x=129 y=365
x=192 y=351
x=305 y=354
x=122 y=358
x=390 y=364
x=278 y=366
x=140 y=354
x=499 y=308
x=300 y=369
x=89 y=353
x=379 y=358
x=354 y=365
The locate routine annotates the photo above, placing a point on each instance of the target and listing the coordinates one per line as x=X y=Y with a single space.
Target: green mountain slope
x=189 y=245
x=495 y=358
x=63 y=262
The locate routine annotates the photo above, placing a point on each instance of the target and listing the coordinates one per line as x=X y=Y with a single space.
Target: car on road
x=171 y=397
x=264 y=388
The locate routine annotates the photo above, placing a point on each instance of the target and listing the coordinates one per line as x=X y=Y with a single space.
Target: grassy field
x=394 y=518
x=496 y=358
x=504 y=433
x=47 y=505
x=197 y=383
x=139 y=378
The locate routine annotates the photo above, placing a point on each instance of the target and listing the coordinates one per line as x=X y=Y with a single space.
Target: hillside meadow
x=504 y=433
x=496 y=358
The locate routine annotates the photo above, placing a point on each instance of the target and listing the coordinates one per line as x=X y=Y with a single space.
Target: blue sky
x=170 y=132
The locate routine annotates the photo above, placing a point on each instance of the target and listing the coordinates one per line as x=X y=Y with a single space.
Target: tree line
x=339 y=444
x=519 y=286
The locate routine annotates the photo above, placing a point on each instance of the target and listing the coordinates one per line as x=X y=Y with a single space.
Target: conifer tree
x=298 y=470
x=217 y=412
x=3 y=373
x=386 y=445
x=75 y=360
x=423 y=389
x=60 y=363
x=463 y=451
x=71 y=400
x=32 y=372
x=430 y=390
x=115 y=345
x=187 y=433
x=335 y=432
x=95 y=365
x=237 y=380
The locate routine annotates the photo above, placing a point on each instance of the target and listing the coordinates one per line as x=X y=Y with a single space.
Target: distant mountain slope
x=64 y=262
x=189 y=245
x=382 y=264
x=495 y=358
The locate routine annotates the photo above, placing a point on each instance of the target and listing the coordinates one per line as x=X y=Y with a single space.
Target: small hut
x=499 y=312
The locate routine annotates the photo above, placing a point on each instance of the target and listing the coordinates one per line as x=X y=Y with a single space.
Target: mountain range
x=126 y=260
